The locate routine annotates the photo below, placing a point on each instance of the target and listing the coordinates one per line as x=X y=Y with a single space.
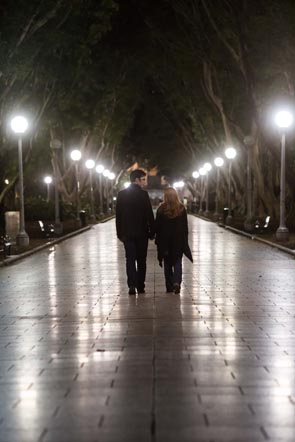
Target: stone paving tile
x=80 y=360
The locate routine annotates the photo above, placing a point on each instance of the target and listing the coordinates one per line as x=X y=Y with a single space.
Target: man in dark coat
x=135 y=225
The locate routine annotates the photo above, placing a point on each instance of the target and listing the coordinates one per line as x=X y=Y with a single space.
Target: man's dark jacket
x=134 y=214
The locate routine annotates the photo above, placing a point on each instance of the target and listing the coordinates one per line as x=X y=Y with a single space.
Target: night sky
x=153 y=136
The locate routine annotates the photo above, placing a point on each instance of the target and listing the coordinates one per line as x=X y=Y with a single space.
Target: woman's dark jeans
x=172 y=272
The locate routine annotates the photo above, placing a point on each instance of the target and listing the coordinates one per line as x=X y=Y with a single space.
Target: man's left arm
x=119 y=216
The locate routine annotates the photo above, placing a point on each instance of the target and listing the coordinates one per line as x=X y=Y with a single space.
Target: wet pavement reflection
x=81 y=360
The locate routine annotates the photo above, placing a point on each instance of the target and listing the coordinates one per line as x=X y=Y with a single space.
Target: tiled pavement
x=80 y=360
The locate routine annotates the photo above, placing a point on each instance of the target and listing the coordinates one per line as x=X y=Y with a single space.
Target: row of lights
x=19 y=125
x=283 y=120
x=90 y=164
x=230 y=154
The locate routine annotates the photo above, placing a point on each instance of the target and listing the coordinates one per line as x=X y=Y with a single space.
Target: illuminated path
x=81 y=361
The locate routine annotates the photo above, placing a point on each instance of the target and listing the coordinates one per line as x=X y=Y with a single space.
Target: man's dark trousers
x=136 y=253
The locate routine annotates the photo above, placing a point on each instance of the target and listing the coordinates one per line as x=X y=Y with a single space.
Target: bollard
x=82 y=216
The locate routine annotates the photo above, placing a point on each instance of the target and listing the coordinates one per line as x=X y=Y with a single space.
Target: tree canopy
x=166 y=84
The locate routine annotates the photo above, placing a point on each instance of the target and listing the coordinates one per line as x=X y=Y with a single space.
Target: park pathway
x=82 y=361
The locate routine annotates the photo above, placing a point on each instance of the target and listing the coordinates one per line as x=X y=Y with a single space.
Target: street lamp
x=219 y=162
x=207 y=167
x=76 y=157
x=230 y=154
x=283 y=120
x=106 y=173
x=90 y=165
x=99 y=170
x=249 y=223
x=48 y=181
x=19 y=125
x=56 y=145
x=111 y=177
x=202 y=172
x=195 y=175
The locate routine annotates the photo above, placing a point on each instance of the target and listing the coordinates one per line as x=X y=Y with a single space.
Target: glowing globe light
x=19 y=124
x=99 y=168
x=47 y=180
x=284 y=119
x=219 y=162
x=207 y=167
x=90 y=164
x=76 y=155
x=230 y=153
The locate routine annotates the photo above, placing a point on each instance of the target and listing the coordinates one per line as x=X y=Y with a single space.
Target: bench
x=262 y=224
x=5 y=245
x=47 y=230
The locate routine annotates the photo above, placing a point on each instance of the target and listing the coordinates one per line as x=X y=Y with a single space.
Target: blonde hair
x=171 y=206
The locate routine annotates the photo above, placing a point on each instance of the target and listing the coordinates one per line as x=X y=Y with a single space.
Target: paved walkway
x=81 y=361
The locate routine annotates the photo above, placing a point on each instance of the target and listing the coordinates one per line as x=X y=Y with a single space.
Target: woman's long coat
x=172 y=236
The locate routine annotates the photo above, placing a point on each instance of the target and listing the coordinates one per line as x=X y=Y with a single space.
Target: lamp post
x=56 y=145
x=202 y=172
x=207 y=167
x=19 y=125
x=106 y=173
x=230 y=154
x=90 y=165
x=249 y=223
x=48 y=181
x=283 y=120
x=195 y=175
x=76 y=157
x=111 y=177
x=99 y=170
x=219 y=162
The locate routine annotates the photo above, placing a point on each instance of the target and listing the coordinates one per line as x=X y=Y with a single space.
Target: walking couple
x=135 y=225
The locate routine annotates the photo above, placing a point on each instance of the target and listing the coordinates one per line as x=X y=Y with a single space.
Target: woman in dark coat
x=172 y=238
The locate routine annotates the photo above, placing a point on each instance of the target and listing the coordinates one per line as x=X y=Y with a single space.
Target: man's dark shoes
x=176 y=288
x=132 y=291
x=140 y=291
x=169 y=290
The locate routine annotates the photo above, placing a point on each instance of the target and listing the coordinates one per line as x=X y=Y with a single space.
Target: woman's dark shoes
x=169 y=290
x=140 y=291
x=176 y=288
x=132 y=291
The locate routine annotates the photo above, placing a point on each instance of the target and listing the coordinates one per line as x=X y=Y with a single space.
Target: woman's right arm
x=157 y=224
x=185 y=223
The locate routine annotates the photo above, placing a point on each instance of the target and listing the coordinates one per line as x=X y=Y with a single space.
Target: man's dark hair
x=137 y=173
